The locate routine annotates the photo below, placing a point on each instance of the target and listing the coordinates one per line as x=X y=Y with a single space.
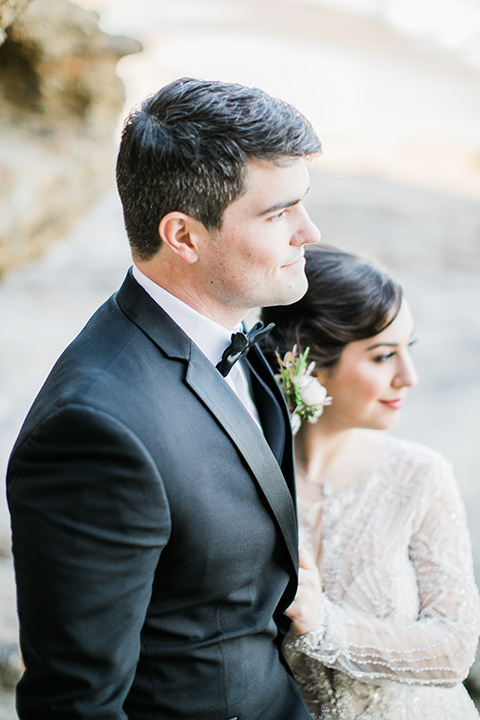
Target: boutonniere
x=304 y=394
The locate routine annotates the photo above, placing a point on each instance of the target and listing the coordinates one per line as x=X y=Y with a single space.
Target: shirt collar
x=209 y=336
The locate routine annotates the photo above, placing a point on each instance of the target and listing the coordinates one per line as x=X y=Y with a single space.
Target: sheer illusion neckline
x=329 y=495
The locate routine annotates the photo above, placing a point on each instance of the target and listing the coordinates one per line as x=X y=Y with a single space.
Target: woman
x=390 y=628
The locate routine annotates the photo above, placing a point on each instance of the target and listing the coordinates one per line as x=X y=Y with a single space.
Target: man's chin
x=291 y=294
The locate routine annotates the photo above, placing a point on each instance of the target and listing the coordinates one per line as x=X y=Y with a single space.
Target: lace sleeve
x=436 y=648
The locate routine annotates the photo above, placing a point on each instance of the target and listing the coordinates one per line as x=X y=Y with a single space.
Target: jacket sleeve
x=89 y=521
x=438 y=646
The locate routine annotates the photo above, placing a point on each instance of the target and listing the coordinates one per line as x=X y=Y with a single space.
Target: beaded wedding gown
x=400 y=618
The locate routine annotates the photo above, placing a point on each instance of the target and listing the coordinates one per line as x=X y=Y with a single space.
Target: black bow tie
x=241 y=342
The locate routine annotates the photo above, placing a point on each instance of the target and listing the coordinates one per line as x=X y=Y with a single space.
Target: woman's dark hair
x=349 y=298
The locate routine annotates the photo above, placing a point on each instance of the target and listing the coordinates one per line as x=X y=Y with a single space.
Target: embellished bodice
x=400 y=614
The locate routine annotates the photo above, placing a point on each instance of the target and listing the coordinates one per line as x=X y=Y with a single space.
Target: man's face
x=256 y=257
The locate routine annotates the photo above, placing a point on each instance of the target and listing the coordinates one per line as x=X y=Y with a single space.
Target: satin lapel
x=212 y=389
x=269 y=409
x=207 y=383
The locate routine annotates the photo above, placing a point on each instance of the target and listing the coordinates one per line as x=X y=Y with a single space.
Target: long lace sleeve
x=435 y=645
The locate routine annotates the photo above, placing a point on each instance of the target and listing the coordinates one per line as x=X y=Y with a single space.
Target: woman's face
x=369 y=382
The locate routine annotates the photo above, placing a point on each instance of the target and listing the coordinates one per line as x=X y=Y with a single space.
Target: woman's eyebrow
x=383 y=344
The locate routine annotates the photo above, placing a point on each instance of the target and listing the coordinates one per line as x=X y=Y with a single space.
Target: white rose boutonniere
x=313 y=395
x=304 y=394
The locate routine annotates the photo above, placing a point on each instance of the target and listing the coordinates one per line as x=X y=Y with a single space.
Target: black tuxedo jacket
x=154 y=532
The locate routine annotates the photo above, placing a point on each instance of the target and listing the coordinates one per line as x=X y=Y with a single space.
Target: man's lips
x=393 y=404
x=297 y=261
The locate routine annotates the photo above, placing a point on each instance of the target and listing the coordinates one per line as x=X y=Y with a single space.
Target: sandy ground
x=399 y=180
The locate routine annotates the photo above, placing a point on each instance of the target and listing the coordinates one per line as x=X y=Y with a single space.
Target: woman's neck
x=327 y=461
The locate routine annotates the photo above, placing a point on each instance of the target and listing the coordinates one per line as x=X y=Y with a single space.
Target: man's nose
x=307 y=233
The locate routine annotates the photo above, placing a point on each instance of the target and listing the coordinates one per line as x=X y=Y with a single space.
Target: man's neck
x=179 y=285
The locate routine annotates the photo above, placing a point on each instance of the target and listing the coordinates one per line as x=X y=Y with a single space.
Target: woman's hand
x=305 y=608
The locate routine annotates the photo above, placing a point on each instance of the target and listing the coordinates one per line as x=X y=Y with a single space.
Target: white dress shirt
x=210 y=337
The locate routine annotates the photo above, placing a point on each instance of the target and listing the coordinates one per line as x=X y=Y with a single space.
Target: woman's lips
x=393 y=404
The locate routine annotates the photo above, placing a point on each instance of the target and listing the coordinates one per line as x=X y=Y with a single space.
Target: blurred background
x=393 y=90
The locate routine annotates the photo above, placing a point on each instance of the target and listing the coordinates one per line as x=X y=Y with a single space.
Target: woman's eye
x=383 y=358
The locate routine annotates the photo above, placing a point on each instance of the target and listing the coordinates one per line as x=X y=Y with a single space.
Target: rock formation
x=60 y=99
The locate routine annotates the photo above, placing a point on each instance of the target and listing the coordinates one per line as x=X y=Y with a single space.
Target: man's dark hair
x=349 y=298
x=185 y=148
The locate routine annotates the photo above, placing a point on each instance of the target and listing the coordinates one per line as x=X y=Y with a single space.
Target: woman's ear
x=182 y=234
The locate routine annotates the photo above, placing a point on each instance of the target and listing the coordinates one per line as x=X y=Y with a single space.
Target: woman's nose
x=406 y=375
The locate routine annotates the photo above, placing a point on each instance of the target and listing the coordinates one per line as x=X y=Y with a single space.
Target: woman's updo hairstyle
x=348 y=299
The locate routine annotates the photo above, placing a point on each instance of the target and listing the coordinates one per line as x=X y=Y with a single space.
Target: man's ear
x=182 y=234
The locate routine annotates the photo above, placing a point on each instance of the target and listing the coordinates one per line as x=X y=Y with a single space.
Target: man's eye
x=279 y=215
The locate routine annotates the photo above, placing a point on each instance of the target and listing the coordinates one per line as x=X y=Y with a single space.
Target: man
x=154 y=533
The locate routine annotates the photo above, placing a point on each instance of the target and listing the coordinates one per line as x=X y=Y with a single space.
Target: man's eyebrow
x=282 y=205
